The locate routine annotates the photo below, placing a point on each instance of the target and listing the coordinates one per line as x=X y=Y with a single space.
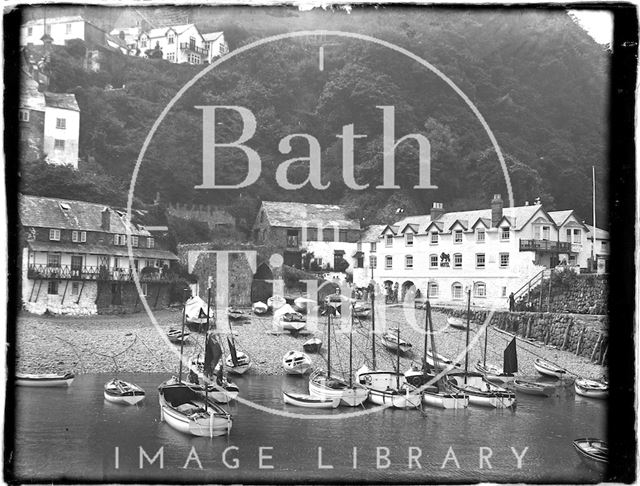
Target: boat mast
x=206 y=343
x=329 y=341
x=466 y=354
x=486 y=336
x=184 y=312
x=398 y=361
x=351 y=347
x=373 y=326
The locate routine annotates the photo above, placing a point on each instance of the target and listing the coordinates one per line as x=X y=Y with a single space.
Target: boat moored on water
x=296 y=363
x=330 y=387
x=481 y=392
x=594 y=453
x=547 y=368
x=591 y=388
x=494 y=373
x=187 y=410
x=44 y=380
x=388 y=388
x=531 y=388
x=222 y=391
x=119 y=391
x=309 y=401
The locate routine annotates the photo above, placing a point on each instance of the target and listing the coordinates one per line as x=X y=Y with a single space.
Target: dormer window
x=389 y=241
x=134 y=241
x=171 y=39
x=504 y=233
x=480 y=235
x=434 y=237
x=54 y=235
x=457 y=236
x=408 y=239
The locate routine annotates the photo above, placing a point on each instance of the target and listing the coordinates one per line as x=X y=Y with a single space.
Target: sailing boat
x=323 y=385
x=236 y=362
x=480 y=391
x=387 y=387
x=494 y=373
x=202 y=367
x=185 y=409
x=437 y=393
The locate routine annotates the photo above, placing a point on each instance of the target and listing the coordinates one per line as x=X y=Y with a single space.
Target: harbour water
x=73 y=434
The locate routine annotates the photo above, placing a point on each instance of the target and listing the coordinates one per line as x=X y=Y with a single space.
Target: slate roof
x=517 y=216
x=211 y=36
x=294 y=214
x=162 y=31
x=600 y=233
x=66 y=101
x=45 y=212
x=55 y=20
x=372 y=233
x=119 y=251
x=560 y=217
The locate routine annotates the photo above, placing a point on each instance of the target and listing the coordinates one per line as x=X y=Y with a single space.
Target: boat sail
x=183 y=407
x=323 y=385
x=387 y=387
x=494 y=373
x=480 y=391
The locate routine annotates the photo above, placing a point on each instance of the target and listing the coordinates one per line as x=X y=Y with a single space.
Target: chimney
x=437 y=211
x=496 y=210
x=106 y=219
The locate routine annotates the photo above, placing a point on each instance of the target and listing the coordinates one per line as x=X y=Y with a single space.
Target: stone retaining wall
x=583 y=335
x=575 y=294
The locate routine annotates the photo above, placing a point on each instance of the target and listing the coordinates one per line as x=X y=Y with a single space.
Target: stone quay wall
x=582 y=335
x=572 y=293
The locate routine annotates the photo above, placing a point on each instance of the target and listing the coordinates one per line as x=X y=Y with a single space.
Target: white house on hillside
x=215 y=44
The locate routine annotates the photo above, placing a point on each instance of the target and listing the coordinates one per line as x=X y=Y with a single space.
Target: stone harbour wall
x=575 y=294
x=82 y=303
x=582 y=335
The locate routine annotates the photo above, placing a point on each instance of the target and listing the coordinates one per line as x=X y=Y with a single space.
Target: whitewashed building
x=215 y=44
x=492 y=252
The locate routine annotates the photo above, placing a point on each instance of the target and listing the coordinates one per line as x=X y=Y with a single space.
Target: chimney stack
x=106 y=219
x=496 y=210
x=437 y=211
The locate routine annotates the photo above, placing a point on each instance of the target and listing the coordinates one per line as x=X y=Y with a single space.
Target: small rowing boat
x=177 y=336
x=118 y=391
x=242 y=365
x=591 y=388
x=547 y=368
x=594 y=453
x=259 y=308
x=494 y=373
x=235 y=314
x=481 y=392
x=391 y=340
x=443 y=362
x=530 y=388
x=276 y=302
x=313 y=345
x=456 y=322
x=44 y=380
x=296 y=363
x=309 y=401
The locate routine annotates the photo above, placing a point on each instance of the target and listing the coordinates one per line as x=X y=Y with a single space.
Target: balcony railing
x=186 y=46
x=97 y=273
x=545 y=245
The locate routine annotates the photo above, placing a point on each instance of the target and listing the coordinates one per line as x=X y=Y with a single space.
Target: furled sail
x=234 y=355
x=212 y=354
x=510 y=358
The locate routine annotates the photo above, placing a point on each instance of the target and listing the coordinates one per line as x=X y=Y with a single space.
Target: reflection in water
x=73 y=433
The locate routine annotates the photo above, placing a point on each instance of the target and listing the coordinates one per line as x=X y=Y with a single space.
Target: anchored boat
x=44 y=380
x=309 y=401
x=594 y=453
x=547 y=368
x=531 y=388
x=119 y=391
x=591 y=388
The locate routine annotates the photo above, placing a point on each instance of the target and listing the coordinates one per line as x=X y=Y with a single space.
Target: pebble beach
x=132 y=343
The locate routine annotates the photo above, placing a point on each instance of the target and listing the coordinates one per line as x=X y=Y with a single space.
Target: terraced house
x=75 y=259
x=491 y=252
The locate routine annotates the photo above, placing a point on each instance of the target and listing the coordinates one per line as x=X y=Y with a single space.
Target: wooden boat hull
x=591 y=388
x=349 y=396
x=310 y=401
x=191 y=416
x=121 y=392
x=593 y=453
x=383 y=388
x=296 y=363
x=481 y=393
x=494 y=374
x=312 y=345
x=445 y=400
x=44 y=380
x=457 y=322
x=402 y=400
x=392 y=344
x=223 y=393
x=292 y=325
x=276 y=302
x=244 y=364
x=177 y=336
x=530 y=388
x=260 y=308
x=443 y=362
x=547 y=369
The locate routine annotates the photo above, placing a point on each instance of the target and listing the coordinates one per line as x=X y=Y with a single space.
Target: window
x=75 y=288
x=457 y=236
x=312 y=234
x=79 y=236
x=504 y=291
x=171 y=39
x=319 y=261
x=577 y=237
x=58 y=144
x=83 y=237
x=569 y=235
x=171 y=56
x=134 y=241
x=433 y=261
x=457 y=260
x=194 y=59
x=456 y=291
x=151 y=243
x=52 y=287
x=432 y=290
x=389 y=241
x=67 y=29
x=504 y=260
x=545 y=233
x=75 y=237
x=408 y=262
x=342 y=235
x=119 y=240
x=373 y=261
x=572 y=259
x=480 y=260
x=54 y=234
x=359 y=246
x=61 y=123
x=23 y=115
x=504 y=234
x=53 y=260
x=408 y=239
x=480 y=235
x=604 y=245
x=30 y=31
x=143 y=42
x=434 y=237
x=328 y=234
x=479 y=290
x=388 y=262
x=373 y=246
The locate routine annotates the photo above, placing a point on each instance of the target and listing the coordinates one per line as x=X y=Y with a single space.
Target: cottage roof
x=119 y=251
x=66 y=101
x=45 y=212
x=295 y=214
x=372 y=233
x=517 y=216
x=211 y=36
x=162 y=31
x=600 y=233
x=55 y=20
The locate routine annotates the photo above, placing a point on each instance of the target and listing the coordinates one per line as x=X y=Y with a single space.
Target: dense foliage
x=537 y=78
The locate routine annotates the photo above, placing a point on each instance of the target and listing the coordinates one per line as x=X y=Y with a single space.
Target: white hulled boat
x=118 y=391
